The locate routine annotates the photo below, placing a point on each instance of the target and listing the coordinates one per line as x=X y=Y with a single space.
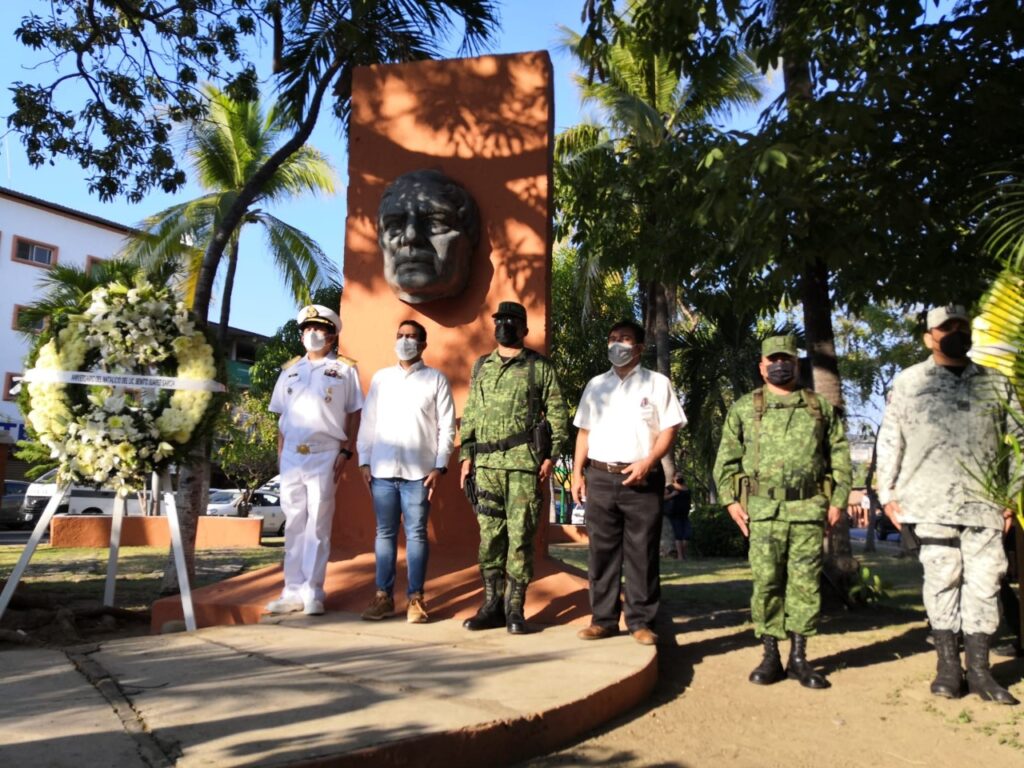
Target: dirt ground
x=878 y=711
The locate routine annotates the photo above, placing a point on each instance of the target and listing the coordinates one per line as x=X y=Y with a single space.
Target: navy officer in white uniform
x=318 y=399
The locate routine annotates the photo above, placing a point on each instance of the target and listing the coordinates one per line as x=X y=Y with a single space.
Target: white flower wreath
x=117 y=436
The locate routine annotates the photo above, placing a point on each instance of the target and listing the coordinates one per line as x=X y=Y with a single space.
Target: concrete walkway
x=325 y=691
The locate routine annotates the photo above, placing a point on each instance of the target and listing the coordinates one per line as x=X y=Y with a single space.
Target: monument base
x=557 y=594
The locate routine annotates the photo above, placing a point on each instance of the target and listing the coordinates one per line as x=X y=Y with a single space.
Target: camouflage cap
x=511 y=309
x=318 y=314
x=779 y=345
x=938 y=315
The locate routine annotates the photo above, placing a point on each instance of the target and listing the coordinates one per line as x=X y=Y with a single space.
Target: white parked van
x=81 y=500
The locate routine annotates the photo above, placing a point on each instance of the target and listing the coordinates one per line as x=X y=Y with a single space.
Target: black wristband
x=346 y=453
x=442 y=470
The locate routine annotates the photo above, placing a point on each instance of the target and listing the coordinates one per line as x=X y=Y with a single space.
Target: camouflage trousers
x=507 y=513
x=785 y=564
x=962 y=569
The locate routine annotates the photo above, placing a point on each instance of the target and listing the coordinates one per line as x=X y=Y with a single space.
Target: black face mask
x=506 y=333
x=955 y=345
x=781 y=372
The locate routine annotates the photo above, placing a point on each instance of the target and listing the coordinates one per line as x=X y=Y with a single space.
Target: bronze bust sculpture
x=428 y=227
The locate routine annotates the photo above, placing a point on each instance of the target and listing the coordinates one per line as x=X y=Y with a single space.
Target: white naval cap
x=318 y=314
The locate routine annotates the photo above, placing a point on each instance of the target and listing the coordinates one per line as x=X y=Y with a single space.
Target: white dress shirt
x=408 y=422
x=313 y=398
x=625 y=416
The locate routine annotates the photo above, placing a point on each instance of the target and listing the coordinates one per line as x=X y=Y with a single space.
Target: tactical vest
x=812 y=401
x=538 y=429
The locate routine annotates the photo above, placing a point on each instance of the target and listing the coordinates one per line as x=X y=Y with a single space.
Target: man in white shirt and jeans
x=318 y=399
x=627 y=420
x=405 y=438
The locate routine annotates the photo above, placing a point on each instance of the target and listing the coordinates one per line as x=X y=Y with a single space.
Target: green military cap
x=779 y=345
x=511 y=309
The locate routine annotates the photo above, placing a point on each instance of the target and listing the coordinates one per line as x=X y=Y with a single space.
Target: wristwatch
x=346 y=453
x=442 y=470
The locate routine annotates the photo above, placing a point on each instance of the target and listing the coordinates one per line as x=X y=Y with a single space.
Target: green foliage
x=247 y=448
x=714 y=532
x=873 y=345
x=141 y=64
x=226 y=150
x=869 y=587
x=285 y=344
x=579 y=326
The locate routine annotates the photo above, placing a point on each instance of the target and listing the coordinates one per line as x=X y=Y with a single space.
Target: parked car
x=263 y=504
x=81 y=500
x=11 y=514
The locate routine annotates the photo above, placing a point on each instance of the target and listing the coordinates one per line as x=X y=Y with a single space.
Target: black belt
x=612 y=467
x=504 y=444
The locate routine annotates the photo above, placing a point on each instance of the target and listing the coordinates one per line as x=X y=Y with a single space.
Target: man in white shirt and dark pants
x=318 y=399
x=405 y=439
x=627 y=420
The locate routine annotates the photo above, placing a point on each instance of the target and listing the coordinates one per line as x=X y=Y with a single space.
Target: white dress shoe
x=313 y=608
x=284 y=605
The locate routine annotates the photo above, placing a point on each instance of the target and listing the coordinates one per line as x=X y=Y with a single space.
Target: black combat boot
x=949 y=677
x=515 y=601
x=799 y=668
x=491 y=614
x=979 y=677
x=770 y=669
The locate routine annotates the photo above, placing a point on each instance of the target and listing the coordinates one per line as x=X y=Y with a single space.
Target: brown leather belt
x=612 y=467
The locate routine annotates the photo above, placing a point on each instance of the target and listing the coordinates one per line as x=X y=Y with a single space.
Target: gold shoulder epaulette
x=350 y=361
x=291 y=362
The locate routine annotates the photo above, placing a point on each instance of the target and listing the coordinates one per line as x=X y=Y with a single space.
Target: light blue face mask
x=619 y=354
x=406 y=348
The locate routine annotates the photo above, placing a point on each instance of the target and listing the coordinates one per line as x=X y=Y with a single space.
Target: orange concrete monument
x=487 y=123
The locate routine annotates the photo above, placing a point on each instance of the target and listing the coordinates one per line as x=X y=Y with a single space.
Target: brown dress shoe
x=596 y=632
x=644 y=636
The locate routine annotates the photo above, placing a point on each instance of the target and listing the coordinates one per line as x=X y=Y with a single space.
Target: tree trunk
x=821 y=344
x=229 y=284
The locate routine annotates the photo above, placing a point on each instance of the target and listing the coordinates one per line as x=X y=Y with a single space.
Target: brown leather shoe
x=596 y=632
x=644 y=636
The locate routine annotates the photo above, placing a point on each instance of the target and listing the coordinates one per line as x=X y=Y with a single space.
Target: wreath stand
x=161 y=484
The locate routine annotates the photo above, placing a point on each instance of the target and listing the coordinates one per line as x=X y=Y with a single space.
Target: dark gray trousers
x=624 y=525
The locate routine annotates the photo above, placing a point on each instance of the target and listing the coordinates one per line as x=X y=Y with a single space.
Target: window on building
x=37 y=254
x=9 y=382
x=20 y=323
x=91 y=262
x=245 y=352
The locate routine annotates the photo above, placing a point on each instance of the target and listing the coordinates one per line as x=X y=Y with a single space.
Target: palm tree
x=656 y=124
x=225 y=151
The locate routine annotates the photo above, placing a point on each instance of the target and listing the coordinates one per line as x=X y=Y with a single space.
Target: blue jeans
x=394 y=497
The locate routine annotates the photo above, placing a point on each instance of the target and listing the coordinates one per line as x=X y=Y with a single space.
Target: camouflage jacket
x=498 y=408
x=786 y=458
x=939 y=436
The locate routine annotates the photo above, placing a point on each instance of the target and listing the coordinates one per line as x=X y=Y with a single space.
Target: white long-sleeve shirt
x=408 y=422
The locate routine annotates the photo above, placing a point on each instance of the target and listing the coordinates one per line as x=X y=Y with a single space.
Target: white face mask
x=314 y=341
x=406 y=348
x=619 y=354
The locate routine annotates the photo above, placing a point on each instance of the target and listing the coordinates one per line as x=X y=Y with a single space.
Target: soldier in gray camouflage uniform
x=941 y=429
x=512 y=391
x=780 y=445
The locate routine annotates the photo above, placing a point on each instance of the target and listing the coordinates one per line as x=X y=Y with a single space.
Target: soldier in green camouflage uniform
x=500 y=453
x=941 y=431
x=780 y=445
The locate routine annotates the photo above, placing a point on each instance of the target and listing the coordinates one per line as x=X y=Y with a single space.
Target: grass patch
x=71 y=575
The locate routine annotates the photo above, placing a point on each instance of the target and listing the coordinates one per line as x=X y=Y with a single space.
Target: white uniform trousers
x=307 y=500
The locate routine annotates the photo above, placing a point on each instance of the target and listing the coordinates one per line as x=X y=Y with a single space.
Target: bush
x=715 y=534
